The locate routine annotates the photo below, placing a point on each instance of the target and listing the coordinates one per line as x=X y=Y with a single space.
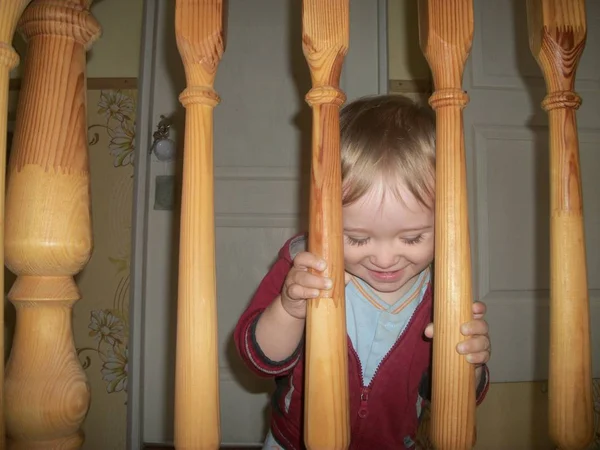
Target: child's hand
x=478 y=348
x=300 y=285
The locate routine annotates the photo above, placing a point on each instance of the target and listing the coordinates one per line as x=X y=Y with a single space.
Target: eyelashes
x=413 y=241
x=357 y=242
x=361 y=242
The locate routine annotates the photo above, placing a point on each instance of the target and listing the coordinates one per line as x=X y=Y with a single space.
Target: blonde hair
x=389 y=139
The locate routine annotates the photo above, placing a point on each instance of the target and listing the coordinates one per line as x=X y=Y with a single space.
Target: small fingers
x=478 y=358
x=307 y=260
x=302 y=284
x=476 y=349
x=310 y=280
x=299 y=292
x=308 y=285
x=429 y=331
x=479 y=309
x=474 y=327
x=475 y=344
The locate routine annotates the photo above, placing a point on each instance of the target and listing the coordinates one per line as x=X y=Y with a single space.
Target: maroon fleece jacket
x=384 y=415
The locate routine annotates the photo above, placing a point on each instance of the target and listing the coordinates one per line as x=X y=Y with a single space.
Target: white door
x=262 y=140
x=261 y=128
x=506 y=135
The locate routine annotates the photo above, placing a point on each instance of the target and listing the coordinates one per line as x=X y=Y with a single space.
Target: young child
x=388 y=176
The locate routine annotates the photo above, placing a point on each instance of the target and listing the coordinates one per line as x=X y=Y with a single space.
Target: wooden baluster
x=48 y=228
x=446 y=34
x=325 y=39
x=10 y=12
x=557 y=35
x=199 y=28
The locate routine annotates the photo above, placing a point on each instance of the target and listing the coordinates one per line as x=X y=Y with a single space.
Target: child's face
x=388 y=242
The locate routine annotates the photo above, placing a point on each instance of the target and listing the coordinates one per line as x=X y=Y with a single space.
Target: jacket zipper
x=363 y=410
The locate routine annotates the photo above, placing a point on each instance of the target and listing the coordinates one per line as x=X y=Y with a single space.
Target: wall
x=116 y=53
x=101 y=318
x=405 y=59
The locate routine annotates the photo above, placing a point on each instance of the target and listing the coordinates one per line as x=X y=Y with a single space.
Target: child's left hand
x=477 y=349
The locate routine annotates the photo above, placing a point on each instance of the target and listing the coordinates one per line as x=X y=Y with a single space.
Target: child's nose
x=385 y=260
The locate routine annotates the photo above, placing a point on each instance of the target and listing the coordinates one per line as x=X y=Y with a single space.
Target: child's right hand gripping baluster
x=301 y=285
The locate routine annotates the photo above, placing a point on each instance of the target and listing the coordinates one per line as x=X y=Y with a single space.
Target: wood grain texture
x=557 y=36
x=48 y=228
x=446 y=34
x=10 y=12
x=201 y=42
x=325 y=40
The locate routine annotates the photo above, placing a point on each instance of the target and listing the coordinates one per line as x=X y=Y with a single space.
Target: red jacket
x=383 y=415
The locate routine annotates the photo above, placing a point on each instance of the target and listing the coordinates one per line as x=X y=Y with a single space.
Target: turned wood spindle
x=49 y=228
x=325 y=39
x=10 y=12
x=446 y=34
x=199 y=29
x=557 y=35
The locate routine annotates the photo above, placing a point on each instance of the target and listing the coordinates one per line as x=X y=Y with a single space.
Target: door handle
x=163 y=146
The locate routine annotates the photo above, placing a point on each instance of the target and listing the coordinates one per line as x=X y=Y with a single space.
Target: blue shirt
x=374 y=325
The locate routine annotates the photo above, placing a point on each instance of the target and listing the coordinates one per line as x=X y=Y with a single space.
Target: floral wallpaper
x=118 y=109
x=101 y=323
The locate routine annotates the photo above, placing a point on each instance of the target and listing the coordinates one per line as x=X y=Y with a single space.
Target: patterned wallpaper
x=101 y=316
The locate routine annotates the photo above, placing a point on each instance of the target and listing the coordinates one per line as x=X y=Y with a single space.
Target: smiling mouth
x=388 y=275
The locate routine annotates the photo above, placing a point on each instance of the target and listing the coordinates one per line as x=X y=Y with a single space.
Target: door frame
x=144 y=130
x=143 y=141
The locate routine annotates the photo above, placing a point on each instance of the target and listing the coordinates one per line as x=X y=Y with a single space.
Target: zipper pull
x=363 y=411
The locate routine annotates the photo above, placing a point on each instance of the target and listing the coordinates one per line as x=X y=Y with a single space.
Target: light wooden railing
x=557 y=34
x=48 y=232
x=200 y=40
x=325 y=39
x=48 y=227
x=446 y=33
x=10 y=12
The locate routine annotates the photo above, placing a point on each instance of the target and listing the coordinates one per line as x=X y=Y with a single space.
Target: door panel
x=262 y=138
x=506 y=135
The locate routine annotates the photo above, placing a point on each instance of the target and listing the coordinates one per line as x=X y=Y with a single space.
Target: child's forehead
x=374 y=211
x=383 y=199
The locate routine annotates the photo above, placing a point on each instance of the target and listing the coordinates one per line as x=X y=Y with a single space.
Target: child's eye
x=413 y=241
x=357 y=242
